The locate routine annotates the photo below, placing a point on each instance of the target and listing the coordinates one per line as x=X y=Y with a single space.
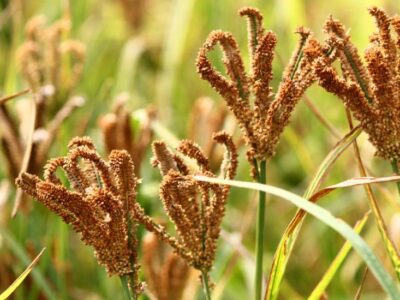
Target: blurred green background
x=154 y=61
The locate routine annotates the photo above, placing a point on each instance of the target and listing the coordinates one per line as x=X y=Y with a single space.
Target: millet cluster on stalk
x=102 y=205
x=101 y=202
x=263 y=121
x=194 y=207
x=370 y=90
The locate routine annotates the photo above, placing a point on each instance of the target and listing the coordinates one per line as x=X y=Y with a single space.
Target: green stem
x=260 y=233
x=395 y=168
x=206 y=285
x=129 y=293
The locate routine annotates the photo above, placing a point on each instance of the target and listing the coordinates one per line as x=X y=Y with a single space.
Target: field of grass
x=146 y=53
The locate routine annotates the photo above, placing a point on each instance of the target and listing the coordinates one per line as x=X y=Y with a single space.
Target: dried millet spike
x=385 y=39
x=234 y=90
x=196 y=209
x=255 y=30
x=105 y=216
x=371 y=90
x=351 y=62
x=191 y=150
x=262 y=122
x=163 y=158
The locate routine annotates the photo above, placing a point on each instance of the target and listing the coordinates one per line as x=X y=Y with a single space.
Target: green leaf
x=372 y=261
x=284 y=250
x=20 y=278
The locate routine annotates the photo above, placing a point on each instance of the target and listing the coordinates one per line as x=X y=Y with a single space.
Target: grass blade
x=27 y=155
x=390 y=246
x=283 y=252
x=5 y=99
x=22 y=256
x=372 y=261
x=20 y=278
x=337 y=262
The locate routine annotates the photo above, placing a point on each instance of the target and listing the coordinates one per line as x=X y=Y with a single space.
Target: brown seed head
x=104 y=213
x=196 y=209
x=263 y=123
x=371 y=90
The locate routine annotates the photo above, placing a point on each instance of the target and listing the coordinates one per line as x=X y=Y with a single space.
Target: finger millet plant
x=183 y=229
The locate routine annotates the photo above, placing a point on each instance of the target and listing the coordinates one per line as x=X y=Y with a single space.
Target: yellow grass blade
x=20 y=278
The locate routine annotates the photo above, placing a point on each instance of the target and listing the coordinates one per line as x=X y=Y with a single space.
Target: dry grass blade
x=356 y=181
x=390 y=246
x=27 y=156
x=5 y=99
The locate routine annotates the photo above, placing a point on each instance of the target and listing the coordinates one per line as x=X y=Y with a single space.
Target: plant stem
x=205 y=284
x=260 y=232
x=129 y=293
x=395 y=168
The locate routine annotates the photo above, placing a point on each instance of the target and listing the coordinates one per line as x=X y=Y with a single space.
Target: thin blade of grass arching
x=390 y=247
x=284 y=249
x=375 y=265
x=316 y=294
x=20 y=278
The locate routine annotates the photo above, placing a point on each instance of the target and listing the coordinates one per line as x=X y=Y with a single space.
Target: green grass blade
x=289 y=238
x=372 y=261
x=336 y=263
x=20 y=278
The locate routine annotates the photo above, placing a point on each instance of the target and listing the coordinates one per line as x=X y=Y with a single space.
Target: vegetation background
x=154 y=63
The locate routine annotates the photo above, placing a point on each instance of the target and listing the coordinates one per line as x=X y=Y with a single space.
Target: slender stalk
x=129 y=293
x=260 y=232
x=206 y=285
x=395 y=168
